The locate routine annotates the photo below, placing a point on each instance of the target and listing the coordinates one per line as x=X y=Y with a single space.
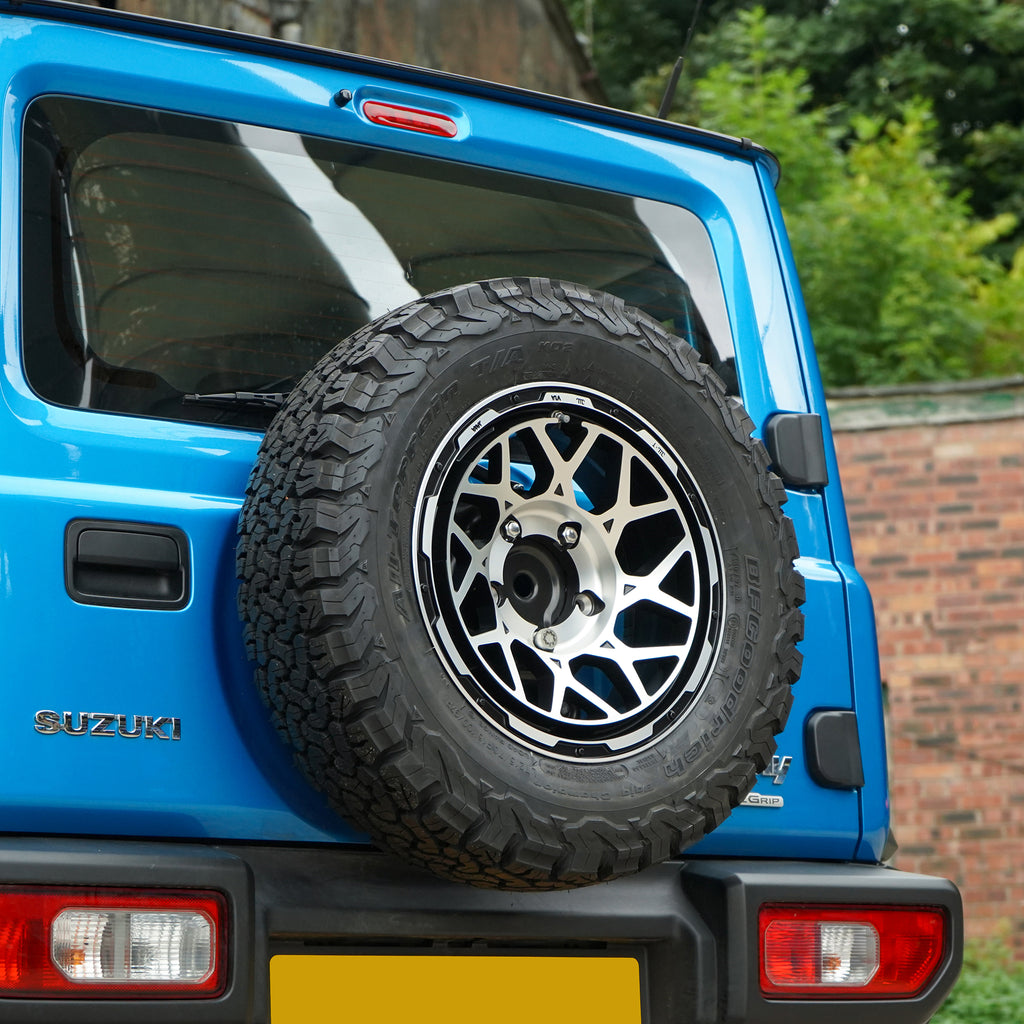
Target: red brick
x=939 y=536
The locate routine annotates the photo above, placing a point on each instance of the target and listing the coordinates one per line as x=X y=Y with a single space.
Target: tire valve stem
x=589 y=603
x=545 y=639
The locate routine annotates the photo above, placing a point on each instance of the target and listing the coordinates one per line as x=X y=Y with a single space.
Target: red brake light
x=70 y=942
x=392 y=116
x=849 y=952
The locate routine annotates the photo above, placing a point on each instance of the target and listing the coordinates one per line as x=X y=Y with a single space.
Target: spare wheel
x=518 y=587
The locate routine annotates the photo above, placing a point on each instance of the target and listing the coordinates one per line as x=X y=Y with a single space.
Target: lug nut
x=545 y=639
x=510 y=529
x=569 y=535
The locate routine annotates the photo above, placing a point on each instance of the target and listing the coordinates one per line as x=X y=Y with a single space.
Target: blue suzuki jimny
x=400 y=618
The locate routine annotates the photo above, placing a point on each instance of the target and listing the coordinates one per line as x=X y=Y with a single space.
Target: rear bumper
x=692 y=926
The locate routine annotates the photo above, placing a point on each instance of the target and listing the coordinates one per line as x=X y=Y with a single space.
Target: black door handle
x=126 y=565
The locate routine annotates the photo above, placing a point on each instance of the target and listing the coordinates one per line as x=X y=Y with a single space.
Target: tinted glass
x=168 y=256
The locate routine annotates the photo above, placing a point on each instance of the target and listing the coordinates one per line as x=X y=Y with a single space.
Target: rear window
x=167 y=257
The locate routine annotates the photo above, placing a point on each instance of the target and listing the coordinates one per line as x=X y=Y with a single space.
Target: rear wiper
x=265 y=399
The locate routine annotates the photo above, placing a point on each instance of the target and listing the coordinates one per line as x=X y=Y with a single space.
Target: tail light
x=428 y=122
x=69 y=942
x=849 y=952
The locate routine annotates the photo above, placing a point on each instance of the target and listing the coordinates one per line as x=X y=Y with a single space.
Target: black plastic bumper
x=692 y=925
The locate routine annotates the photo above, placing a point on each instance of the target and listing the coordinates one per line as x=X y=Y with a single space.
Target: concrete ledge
x=878 y=408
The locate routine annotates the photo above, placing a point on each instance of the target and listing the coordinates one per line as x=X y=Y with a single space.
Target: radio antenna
x=677 y=68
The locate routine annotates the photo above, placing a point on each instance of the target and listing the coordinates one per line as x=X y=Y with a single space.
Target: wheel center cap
x=540 y=581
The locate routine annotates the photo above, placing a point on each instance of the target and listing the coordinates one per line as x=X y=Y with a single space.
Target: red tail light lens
x=392 y=116
x=69 y=942
x=839 y=952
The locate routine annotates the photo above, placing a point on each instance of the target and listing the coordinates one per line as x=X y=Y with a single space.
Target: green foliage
x=755 y=94
x=894 y=265
x=990 y=989
x=627 y=39
x=1002 y=303
x=870 y=56
x=896 y=269
x=996 y=155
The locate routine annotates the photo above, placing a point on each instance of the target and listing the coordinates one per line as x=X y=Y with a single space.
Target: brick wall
x=935 y=494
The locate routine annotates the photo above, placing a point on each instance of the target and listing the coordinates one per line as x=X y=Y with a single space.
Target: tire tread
x=308 y=609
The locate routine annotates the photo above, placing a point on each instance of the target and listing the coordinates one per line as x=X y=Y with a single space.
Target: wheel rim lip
x=548 y=733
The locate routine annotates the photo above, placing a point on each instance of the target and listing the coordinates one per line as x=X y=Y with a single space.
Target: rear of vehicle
x=511 y=614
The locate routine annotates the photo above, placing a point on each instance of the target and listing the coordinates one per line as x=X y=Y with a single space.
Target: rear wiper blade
x=265 y=399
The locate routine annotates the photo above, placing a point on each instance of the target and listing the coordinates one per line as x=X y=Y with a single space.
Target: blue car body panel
x=161 y=856
x=218 y=780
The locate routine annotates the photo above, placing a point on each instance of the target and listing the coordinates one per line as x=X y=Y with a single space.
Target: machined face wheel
x=569 y=571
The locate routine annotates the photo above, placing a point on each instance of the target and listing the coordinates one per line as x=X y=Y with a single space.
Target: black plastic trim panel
x=797 y=447
x=45 y=861
x=832 y=742
x=692 y=926
x=730 y=894
x=119 y=564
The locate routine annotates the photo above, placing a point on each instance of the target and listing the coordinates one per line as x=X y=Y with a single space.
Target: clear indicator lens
x=129 y=946
x=849 y=953
x=819 y=953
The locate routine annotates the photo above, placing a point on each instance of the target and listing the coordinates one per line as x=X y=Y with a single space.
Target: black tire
x=390 y=671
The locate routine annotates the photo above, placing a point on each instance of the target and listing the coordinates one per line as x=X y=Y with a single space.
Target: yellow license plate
x=454 y=989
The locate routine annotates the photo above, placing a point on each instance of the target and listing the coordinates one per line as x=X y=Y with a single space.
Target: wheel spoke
x=583 y=451
x=592 y=698
x=648 y=586
x=634 y=680
x=501 y=490
x=569 y=684
x=624 y=511
x=656 y=651
x=563 y=681
x=477 y=562
x=503 y=641
x=673 y=604
x=562 y=469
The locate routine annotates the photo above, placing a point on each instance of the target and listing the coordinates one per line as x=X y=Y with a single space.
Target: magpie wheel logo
x=96 y=723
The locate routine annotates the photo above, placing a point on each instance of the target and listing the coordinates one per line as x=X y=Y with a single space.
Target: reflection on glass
x=169 y=256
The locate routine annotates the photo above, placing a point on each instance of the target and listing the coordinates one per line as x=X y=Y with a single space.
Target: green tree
x=868 y=57
x=1002 y=299
x=756 y=94
x=627 y=39
x=892 y=264
x=893 y=267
